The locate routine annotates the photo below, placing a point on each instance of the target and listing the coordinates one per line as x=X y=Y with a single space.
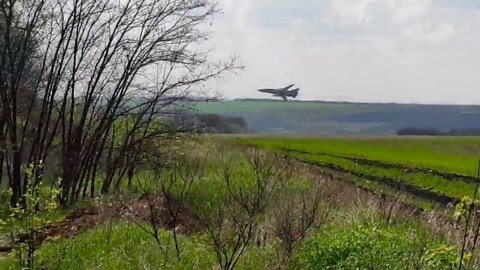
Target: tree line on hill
x=436 y=132
x=210 y=123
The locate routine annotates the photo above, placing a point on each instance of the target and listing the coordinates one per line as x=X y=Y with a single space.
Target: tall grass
x=125 y=246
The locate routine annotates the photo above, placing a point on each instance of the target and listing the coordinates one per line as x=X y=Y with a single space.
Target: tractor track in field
x=386 y=165
x=389 y=182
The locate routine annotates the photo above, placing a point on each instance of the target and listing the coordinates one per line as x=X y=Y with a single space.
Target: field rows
x=366 y=164
x=385 y=179
x=386 y=165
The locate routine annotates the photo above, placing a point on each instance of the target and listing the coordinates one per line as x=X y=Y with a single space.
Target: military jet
x=282 y=92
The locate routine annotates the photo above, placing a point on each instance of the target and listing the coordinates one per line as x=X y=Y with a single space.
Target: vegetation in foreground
x=218 y=206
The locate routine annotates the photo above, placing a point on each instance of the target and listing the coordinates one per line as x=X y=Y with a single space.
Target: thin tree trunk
x=16 y=178
x=3 y=147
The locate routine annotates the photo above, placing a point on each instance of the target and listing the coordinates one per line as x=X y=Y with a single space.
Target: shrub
x=374 y=245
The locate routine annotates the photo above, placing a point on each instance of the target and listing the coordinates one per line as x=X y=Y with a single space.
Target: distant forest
x=210 y=123
x=436 y=132
x=342 y=118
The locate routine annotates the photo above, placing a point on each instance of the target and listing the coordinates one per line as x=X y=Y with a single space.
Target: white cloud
x=237 y=12
x=407 y=11
x=363 y=50
x=344 y=13
x=442 y=32
x=360 y=12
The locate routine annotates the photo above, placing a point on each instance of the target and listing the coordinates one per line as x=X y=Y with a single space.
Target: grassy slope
x=232 y=106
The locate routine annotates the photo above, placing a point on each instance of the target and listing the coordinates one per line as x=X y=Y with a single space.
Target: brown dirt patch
x=165 y=212
x=76 y=222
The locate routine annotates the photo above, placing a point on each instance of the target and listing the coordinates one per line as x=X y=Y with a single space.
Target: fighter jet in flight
x=282 y=92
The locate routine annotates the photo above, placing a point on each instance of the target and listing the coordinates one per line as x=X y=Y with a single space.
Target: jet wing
x=288 y=87
x=271 y=91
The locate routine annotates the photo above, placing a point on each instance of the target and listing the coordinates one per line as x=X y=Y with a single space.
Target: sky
x=405 y=51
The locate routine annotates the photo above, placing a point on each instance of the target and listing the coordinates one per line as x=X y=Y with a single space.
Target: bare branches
x=296 y=214
x=175 y=184
x=233 y=225
x=96 y=60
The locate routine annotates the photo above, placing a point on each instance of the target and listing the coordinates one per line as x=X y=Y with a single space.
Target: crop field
x=232 y=106
x=429 y=171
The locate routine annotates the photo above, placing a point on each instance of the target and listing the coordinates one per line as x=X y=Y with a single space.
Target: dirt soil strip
x=390 y=182
x=84 y=219
x=386 y=165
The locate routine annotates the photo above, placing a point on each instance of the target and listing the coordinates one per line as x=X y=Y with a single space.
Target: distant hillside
x=343 y=118
x=210 y=123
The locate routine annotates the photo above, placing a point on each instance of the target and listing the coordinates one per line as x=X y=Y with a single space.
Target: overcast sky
x=423 y=51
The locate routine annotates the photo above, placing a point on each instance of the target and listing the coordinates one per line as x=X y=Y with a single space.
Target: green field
x=431 y=169
x=232 y=106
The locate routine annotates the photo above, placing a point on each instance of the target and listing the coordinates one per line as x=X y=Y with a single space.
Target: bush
x=369 y=246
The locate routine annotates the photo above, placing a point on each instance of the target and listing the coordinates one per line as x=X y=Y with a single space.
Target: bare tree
x=99 y=62
x=232 y=225
x=296 y=214
x=176 y=173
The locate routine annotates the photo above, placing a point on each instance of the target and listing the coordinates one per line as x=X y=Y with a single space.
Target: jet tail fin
x=295 y=92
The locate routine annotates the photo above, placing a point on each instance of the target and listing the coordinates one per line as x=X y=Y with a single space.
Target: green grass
x=371 y=245
x=235 y=106
x=126 y=246
x=241 y=106
x=454 y=189
x=458 y=155
x=360 y=242
x=449 y=154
